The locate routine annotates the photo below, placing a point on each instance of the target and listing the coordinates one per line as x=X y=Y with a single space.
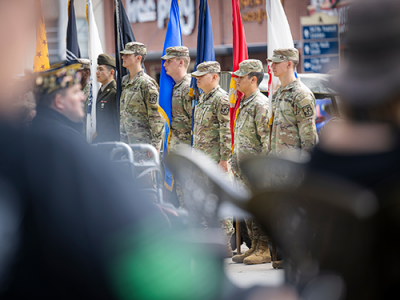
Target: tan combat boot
x=229 y=251
x=260 y=256
x=241 y=257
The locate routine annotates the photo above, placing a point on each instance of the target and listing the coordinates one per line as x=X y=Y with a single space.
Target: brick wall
x=254 y=20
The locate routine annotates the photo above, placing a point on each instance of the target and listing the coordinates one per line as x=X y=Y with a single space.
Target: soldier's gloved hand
x=223 y=164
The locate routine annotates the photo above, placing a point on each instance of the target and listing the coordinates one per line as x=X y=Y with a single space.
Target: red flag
x=239 y=54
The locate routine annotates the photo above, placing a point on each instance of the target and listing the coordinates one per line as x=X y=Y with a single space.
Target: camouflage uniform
x=211 y=132
x=251 y=136
x=293 y=129
x=86 y=91
x=181 y=113
x=181 y=120
x=85 y=65
x=140 y=121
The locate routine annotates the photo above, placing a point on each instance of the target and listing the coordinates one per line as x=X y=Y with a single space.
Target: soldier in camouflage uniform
x=293 y=130
x=292 y=124
x=140 y=121
x=85 y=71
x=176 y=62
x=251 y=138
x=211 y=132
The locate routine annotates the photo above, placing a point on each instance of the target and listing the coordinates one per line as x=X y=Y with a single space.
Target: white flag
x=95 y=49
x=279 y=36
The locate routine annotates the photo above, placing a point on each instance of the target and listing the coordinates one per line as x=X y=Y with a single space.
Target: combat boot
x=277 y=264
x=241 y=257
x=229 y=251
x=260 y=256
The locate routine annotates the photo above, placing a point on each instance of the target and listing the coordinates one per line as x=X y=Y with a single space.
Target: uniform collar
x=103 y=87
x=291 y=85
x=179 y=83
x=249 y=99
x=209 y=94
x=140 y=73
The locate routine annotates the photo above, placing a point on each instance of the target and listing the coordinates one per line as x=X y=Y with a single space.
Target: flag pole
x=118 y=57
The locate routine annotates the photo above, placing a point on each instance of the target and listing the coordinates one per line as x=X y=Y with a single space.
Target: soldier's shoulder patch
x=308 y=111
x=153 y=98
x=225 y=109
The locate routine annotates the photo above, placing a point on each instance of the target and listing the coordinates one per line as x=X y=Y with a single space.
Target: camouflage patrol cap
x=85 y=63
x=172 y=52
x=207 y=67
x=135 y=48
x=248 y=66
x=283 y=54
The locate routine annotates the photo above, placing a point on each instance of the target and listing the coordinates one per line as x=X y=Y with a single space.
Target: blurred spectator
x=59 y=101
x=85 y=73
x=25 y=110
x=366 y=148
x=24 y=106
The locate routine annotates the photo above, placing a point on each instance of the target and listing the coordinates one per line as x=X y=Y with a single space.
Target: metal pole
x=118 y=57
x=238 y=243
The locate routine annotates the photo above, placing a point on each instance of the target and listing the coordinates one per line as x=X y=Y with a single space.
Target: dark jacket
x=49 y=121
x=70 y=217
x=107 y=115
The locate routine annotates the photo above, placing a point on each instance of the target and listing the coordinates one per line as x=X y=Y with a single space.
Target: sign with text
x=321 y=64
x=140 y=11
x=317 y=32
x=320 y=36
x=321 y=48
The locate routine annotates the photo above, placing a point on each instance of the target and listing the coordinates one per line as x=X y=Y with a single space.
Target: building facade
x=149 y=19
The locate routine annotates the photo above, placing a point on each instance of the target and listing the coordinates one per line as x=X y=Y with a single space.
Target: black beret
x=105 y=59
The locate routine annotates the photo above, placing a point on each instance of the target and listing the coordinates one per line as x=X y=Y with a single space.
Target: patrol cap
x=105 y=59
x=248 y=66
x=62 y=75
x=207 y=67
x=172 y=52
x=135 y=48
x=283 y=54
x=85 y=63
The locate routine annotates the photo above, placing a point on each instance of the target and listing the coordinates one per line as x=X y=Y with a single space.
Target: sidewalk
x=248 y=275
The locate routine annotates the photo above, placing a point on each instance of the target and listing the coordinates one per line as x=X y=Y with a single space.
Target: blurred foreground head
x=17 y=24
x=370 y=78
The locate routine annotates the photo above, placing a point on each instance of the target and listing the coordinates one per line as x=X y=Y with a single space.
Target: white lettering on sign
x=187 y=14
x=141 y=10
x=147 y=11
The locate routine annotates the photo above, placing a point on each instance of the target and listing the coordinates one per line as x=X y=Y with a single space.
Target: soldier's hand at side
x=150 y=154
x=223 y=164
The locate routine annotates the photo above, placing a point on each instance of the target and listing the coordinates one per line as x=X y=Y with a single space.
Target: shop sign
x=140 y=11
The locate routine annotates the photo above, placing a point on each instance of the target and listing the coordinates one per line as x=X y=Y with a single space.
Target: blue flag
x=73 y=51
x=173 y=38
x=205 y=50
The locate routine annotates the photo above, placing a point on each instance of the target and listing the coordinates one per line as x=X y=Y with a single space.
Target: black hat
x=371 y=74
x=107 y=60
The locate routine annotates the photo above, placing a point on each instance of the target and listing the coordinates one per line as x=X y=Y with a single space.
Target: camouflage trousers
x=254 y=230
x=147 y=181
x=226 y=223
x=227 y=227
x=253 y=227
x=179 y=194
